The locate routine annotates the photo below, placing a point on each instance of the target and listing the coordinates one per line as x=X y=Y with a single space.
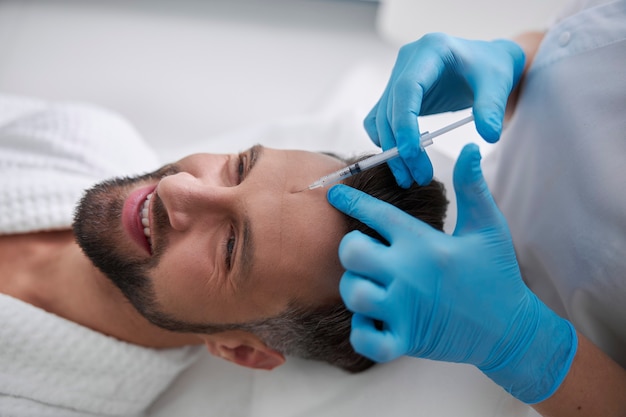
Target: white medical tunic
x=559 y=173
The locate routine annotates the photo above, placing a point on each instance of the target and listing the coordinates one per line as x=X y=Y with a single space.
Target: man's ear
x=244 y=349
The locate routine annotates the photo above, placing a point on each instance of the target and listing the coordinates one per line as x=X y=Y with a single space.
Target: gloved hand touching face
x=456 y=298
x=436 y=74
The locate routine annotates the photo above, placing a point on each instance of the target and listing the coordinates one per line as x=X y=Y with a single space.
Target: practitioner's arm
x=594 y=386
x=529 y=42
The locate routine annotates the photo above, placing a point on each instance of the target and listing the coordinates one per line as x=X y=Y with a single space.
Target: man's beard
x=99 y=232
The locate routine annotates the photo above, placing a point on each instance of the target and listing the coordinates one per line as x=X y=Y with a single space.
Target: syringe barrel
x=378 y=159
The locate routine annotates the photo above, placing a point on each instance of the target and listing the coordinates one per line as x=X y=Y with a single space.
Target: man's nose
x=188 y=199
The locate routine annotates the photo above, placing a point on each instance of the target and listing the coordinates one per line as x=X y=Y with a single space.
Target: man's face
x=231 y=238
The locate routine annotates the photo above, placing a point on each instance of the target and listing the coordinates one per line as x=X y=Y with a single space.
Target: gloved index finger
x=386 y=219
x=361 y=206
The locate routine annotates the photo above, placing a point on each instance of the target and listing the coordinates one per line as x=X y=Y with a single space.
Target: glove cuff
x=537 y=360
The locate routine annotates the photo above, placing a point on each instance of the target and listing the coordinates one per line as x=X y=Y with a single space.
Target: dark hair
x=427 y=203
x=322 y=333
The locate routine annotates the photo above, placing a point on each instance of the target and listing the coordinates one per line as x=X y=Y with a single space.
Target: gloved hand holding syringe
x=426 y=139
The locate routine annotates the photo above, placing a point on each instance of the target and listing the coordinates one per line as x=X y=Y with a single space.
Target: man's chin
x=97 y=228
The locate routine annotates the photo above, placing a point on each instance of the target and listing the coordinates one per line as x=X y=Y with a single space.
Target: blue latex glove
x=436 y=74
x=456 y=298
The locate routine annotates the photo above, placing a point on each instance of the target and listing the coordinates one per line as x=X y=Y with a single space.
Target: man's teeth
x=144 y=217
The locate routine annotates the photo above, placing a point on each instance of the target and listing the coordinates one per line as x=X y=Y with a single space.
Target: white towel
x=49 y=366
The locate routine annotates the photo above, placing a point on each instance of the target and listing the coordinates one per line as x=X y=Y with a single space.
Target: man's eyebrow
x=255 y=153
x=247 y=244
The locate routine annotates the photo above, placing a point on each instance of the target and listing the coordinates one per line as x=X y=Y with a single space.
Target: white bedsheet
x=406 y=387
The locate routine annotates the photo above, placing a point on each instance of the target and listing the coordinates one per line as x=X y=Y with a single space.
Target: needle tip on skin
x=310 y=187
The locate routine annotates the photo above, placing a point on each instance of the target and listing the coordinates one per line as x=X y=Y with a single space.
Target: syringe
x=426 y=139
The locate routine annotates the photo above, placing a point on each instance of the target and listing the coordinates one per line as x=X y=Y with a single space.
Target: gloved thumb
x=475 y=206
x=492 y=92
x=489 y=114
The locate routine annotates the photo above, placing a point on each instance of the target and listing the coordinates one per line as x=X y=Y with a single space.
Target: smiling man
x=239 y=239
x=217 y=240
x=229 y=248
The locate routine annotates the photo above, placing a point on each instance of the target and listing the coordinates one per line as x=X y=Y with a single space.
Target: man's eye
x=230 y=247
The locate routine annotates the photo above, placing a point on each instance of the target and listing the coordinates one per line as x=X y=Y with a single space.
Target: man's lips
x=131 y=217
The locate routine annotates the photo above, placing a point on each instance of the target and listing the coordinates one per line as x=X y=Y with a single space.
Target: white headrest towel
x=51 y=152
